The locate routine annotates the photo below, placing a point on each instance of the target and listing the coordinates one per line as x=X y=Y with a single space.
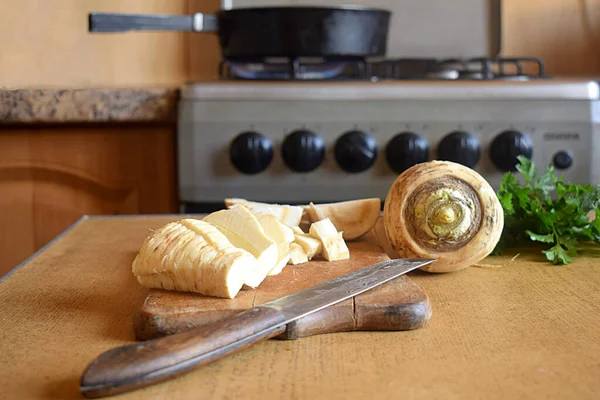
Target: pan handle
x=111 y=22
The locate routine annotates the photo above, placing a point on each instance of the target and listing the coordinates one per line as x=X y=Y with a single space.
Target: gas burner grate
x=305 y=69
x=459 y=69
x=502 y=63
x=359 y=69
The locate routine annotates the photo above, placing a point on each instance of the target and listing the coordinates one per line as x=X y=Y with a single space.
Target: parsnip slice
x=312 y=246
x=281 y=264
x=243 y=230
x=297 y=254
x=286 y=214
x=281 y=234
x=275 y=229
x=334 y=246
x=193 y=256
x=297 y=230
x=354 y=218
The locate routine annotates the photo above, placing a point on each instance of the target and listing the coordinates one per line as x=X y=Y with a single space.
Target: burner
x=517 y=63
x=349 y=69
x=294 y=69
x=463 y=69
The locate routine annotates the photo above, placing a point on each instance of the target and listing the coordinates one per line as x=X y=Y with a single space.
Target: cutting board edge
x=359 y=313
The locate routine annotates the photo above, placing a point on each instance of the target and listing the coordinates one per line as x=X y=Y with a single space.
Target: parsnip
x=334 y=246
x=281 y=264
x=297 y=254
x=354 y=218
x=286 y=214
x=311 y=245
x=281 y=234
x=442 y=210
x=193 y=256
x=297 y=230
x=243 y=230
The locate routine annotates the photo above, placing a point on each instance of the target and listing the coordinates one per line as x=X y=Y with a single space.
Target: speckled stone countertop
x=87 y=105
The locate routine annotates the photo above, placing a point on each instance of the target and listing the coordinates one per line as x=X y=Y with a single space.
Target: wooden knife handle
x=141 y=364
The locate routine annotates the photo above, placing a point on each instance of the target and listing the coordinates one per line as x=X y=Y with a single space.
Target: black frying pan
x=271 y=31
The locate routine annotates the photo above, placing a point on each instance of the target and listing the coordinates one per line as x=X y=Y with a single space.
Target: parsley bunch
x=548 y=210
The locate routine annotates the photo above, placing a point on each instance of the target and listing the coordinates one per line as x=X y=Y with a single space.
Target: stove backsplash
x=424 y=28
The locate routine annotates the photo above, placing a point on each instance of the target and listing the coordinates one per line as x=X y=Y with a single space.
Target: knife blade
x=137 y=365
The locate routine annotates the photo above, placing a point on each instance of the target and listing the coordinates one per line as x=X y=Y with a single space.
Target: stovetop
x=359 y=69
x=392 y=90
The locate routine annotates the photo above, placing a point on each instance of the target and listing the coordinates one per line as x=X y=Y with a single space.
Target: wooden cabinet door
x=52 y=176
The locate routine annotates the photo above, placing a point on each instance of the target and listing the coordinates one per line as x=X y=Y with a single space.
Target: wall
x=45 y=42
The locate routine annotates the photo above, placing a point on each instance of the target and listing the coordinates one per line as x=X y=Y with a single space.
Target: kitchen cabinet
x=50 y=176
x=564 y=34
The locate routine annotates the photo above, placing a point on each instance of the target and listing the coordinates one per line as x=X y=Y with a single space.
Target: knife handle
x=141 y=364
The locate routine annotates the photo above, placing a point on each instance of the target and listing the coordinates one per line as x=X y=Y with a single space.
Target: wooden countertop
x=87 y=105
x=526 y=330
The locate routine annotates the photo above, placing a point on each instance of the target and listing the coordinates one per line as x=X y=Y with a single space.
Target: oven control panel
x=301 y=151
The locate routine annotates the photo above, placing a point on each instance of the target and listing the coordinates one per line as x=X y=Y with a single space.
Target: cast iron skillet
x=271 y=31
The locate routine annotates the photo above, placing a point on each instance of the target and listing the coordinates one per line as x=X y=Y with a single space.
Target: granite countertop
x=87 y=105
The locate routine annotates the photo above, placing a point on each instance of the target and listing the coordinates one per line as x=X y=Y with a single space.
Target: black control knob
x=460 y=147
x=405 y=150
x=507 y=146
x=562 y=159
x=251 y=152
x=355 y=151
x=303 y=151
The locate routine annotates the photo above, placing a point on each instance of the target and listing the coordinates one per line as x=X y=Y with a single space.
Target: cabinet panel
x=50 y=46
x=564 y=34
x=50 y=177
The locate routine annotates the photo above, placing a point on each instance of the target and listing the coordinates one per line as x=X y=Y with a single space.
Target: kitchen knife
x=141 y=364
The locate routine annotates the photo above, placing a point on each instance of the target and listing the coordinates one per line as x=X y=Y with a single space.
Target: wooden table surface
x=526 y=330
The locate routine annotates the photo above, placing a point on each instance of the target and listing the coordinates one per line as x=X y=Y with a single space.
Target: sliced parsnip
x=281 y=234
x=243 y=230
x=354 y=218
x=230 y=202
x=297 y=230
x=334 y=246
x=311 y=245
x=281 y=264
x=286 y=214
x=305 y=221
x=193 y=256
x=297 y=254
x=275 y=229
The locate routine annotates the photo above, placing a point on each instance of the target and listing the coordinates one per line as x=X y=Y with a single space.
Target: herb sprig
x=548 y=210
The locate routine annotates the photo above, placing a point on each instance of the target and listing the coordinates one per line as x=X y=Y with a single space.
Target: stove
x=294 y=131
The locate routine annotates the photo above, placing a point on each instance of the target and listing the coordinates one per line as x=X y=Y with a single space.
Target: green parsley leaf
x=549 y=210
x=549 y=238
x=558 y=255
x=507 y=203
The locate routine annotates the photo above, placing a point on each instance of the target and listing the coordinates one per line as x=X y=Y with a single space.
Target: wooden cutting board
x=394 y=306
